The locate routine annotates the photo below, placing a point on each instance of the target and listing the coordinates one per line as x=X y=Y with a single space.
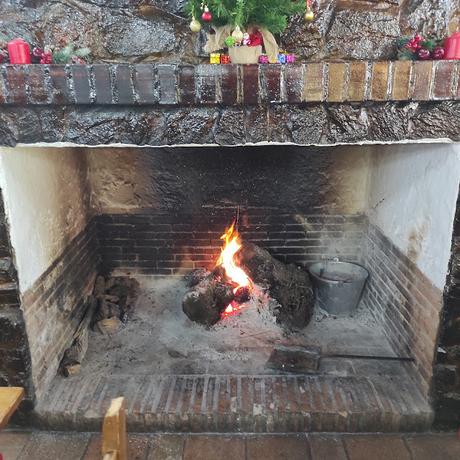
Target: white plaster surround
x=46 y=200
x=409 y=191
x=412 y=199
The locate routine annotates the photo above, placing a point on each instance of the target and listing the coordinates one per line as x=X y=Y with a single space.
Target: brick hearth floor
x=86 y=446
x=235 y=404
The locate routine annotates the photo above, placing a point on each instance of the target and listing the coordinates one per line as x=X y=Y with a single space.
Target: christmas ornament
x=206 y=16
x=452 y=46
x=237 y=34
x=246 y=40
x=195 y=25
x=438 y=52
x=282 y=58
x=421 y=48
x=309 y=15
x=256 y=39
x=19 y=52
x=229 y=42
x=290 y=58
x=225 y=59
x=265 y=14
x=423 y=54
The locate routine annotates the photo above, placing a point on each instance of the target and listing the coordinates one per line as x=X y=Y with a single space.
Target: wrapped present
x=282 y=58
x=263 y=59
x=290 y=58
x=214 y=58
x=225 y=59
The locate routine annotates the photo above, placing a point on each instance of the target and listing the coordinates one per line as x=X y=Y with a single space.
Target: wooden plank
x=114 y=438
x=10 y=398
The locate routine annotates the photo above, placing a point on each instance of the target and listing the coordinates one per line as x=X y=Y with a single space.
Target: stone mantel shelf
x=227 y=85
x=164 y=104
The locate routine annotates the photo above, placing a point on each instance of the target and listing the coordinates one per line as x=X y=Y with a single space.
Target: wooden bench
x=10 y=398
x=114 y=438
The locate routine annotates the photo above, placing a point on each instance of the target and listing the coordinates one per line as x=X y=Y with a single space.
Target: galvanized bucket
x=338 y=285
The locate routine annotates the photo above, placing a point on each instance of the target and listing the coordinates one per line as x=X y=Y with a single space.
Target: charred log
x=287 y=284
x=73 y=356
x=207 y=300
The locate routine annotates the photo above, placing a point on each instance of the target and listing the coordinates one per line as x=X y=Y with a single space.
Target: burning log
x=287 y=284
x=207 y=299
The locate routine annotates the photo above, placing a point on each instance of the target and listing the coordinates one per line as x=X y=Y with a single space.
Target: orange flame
x=237 y=275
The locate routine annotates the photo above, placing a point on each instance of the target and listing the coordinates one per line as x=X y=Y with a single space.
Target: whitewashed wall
x=46 y=198
x=412 y=199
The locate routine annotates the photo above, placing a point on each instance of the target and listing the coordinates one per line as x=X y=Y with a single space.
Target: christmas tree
x=268 y=14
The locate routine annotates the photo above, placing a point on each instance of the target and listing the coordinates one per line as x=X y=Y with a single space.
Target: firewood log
x=73 y=356
x=207 y=300
x=289 y=285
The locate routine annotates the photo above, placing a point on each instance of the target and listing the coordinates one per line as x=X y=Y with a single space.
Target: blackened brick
x=16 y=80
x=81 y=84
x=443 y=77
x=37 y=82
x=293 y=82
x=187 y=90
x=250 y=84
x=271 y=75
x=102 y=83
x=144 y=83
x=123 y=84
x=229 y=84
x=207 y=82
x=3 y=96
x=167 y=84
x=60 y=85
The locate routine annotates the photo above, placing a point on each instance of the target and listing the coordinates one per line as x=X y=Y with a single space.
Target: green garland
x=270 y=14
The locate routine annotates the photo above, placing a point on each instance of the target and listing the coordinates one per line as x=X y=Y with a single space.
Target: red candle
x=19 y=51
x=452 y=46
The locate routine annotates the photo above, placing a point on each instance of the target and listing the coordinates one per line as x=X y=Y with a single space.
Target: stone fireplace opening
x=155 y=214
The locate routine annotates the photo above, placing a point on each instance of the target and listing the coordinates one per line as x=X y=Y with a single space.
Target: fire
x=232 y=243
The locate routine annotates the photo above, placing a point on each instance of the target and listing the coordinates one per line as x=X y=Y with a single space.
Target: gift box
x=245 y=54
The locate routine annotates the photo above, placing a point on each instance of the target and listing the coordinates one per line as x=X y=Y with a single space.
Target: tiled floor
x=86 y=446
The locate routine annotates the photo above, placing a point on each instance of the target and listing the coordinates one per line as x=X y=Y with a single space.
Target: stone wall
x=15 y=366
x=157 y=30
x=164 y=104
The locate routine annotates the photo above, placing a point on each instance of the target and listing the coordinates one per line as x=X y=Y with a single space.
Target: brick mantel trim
x=228 y=85
x=164 y=104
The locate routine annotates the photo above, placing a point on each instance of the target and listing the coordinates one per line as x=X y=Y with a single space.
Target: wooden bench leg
x=114 y=437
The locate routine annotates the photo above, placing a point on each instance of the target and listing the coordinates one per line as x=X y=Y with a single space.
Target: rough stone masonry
x=157 y=30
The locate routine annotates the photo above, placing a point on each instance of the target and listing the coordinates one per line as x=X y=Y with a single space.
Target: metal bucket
x=338 y=285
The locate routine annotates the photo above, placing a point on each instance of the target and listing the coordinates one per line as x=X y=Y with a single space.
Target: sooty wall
x=161 y=210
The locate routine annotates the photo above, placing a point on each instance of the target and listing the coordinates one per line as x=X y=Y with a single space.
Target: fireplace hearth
x=132 y=172
x=157 y=215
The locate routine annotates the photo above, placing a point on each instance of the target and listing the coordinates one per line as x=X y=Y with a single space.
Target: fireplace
x=155 y=214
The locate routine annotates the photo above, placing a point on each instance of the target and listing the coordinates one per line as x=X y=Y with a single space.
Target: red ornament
x=438 y=52
x=206 y=16
x=452 y=46
x=19 y=51
x=255 y=39
x=423 y=54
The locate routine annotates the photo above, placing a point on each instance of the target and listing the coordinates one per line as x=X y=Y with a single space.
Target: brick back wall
x=404 y=300
x=15 y=368
x=447 y=369
x=167 y=244
x=54 y=306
